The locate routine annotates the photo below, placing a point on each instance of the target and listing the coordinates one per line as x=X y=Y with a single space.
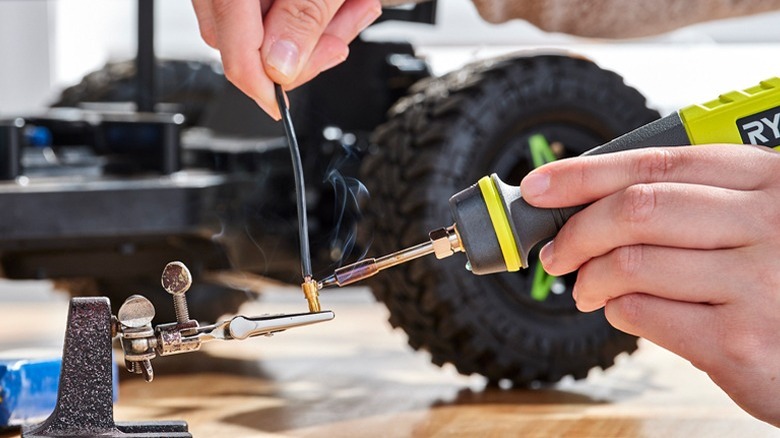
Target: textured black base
x=85 y=397
x=147 y=429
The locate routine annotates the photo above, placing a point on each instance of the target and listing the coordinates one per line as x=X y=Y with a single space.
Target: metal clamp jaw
x=141 y=342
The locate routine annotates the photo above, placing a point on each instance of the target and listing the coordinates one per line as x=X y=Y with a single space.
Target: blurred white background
x=46 y=45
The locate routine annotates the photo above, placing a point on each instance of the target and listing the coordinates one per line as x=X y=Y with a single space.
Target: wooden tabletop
x=356 y=377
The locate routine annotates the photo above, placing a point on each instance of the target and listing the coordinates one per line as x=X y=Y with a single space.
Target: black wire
x=300 y=188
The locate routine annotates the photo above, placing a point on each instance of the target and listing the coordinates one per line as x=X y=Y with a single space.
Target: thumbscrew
x=176 y=280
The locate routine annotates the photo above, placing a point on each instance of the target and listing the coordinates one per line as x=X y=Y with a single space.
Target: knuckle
x=639 y=202
x=627 y=260
x=656 y=165
x=223 y=9
x=306 y=15
x=581 y=177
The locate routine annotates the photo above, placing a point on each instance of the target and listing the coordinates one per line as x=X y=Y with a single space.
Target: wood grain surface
x=356 y=377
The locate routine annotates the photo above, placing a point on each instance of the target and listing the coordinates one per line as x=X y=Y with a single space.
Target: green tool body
x=751 y=116
x=497 y=228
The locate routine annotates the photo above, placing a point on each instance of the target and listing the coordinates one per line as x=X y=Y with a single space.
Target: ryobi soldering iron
x=497 y=229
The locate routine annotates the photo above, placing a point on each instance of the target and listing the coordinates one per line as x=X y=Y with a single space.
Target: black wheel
x=442 y=138
x=189 y=84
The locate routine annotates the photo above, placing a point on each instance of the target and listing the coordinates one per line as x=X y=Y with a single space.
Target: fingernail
x=283 y=56
x=546 y=254
x=574 y=292
x=535 y=184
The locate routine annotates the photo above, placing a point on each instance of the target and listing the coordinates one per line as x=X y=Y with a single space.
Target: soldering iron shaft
x=368 y=267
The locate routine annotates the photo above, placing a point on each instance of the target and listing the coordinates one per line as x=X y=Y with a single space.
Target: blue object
x=38 y=136
x=28 y=385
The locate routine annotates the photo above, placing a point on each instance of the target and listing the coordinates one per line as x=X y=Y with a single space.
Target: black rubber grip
x=533 y=225
x=666 y=131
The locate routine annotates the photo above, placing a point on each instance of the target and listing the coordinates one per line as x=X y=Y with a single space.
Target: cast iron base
x=85 y=397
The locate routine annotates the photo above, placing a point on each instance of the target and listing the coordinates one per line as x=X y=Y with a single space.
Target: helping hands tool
x=141 y=342
x=85 y=393
x=497 y=229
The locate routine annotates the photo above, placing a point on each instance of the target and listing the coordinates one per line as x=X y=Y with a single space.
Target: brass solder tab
x=311 y=292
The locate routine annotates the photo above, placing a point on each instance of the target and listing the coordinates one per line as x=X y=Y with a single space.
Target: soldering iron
x=496 y=228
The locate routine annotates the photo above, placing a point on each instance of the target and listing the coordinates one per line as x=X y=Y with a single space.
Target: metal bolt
x=176 y=280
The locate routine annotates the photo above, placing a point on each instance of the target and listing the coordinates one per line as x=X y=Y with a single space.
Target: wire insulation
x=300 y=187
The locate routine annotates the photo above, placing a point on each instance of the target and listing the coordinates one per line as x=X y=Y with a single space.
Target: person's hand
x=284 y=41
x=682 y=246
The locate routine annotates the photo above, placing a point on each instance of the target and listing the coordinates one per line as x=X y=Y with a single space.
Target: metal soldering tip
x=328 y=282
x=443 y=242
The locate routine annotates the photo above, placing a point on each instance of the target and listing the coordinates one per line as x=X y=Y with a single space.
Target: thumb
x=292 y=30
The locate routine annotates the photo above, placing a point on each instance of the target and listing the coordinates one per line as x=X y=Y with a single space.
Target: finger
x=352 y=18
x=582 y=180
x=330 y=52
x=332 y=49
x=239 y=38
x=662 y=214
x=293 y=28
x=205 y=21
x=697 y=276
x=687 y=329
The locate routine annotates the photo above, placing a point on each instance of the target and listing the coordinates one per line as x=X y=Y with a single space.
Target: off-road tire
x=442 y=138
x=190 y=84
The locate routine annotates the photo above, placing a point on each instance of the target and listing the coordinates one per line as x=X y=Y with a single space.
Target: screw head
x=136 y=312
x=176 y=278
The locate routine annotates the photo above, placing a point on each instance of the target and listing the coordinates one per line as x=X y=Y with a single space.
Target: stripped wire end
x=311 y=289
